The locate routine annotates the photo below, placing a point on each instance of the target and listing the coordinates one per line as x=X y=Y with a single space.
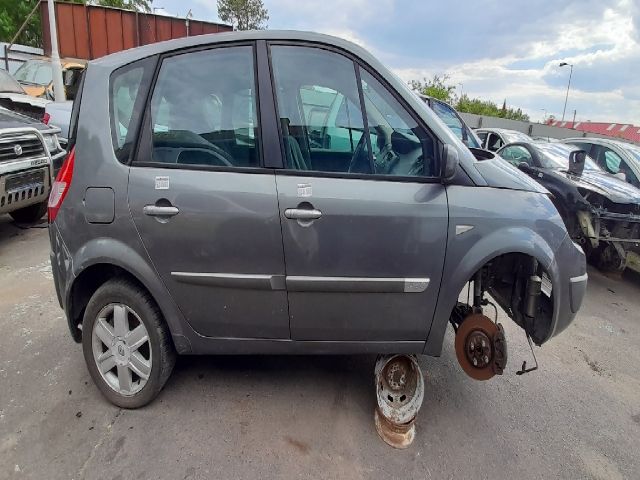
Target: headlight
x=52 y=142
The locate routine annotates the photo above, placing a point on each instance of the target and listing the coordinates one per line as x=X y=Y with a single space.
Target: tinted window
x=400 y=146
x=318 y=106
x=516 y=154
x=203 y=109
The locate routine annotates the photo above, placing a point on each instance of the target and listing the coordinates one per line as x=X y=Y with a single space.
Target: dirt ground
x=578 y=416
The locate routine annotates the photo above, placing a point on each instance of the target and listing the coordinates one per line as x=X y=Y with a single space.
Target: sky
x=496 y=50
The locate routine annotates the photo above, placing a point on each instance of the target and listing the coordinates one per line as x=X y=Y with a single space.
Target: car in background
x=601 y=212
x=613 y=156
x=58 y=114
x=36 y=77
x=11 y=119
x=493 y=139
x=453 y=120
x=14 y=97
x=26 y=172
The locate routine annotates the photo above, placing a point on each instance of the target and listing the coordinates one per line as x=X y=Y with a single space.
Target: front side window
x=516 y=154
x=318 y=105
x=399 y=145
x=203 y=109
x=322 y=118
x=494 y=142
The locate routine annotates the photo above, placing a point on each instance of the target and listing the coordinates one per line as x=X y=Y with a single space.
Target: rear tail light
x=61 y=185
x=45 y=118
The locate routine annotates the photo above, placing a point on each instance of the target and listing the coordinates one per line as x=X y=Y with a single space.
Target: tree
x=436 y=87
x=243 y=14
x=13 y=13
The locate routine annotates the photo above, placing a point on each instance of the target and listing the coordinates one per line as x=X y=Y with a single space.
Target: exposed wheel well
x=85 y=286
x=520 y=285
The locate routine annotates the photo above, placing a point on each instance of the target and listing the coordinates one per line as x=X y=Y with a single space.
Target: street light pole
x=58 y=85
x=564 y=64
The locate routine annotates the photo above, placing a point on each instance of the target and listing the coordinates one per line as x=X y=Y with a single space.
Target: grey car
x=214 y=202
x=494 y=139
x=618 y=158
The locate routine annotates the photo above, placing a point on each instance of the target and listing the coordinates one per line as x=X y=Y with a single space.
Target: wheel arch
x=103 y=259
x=457 y=273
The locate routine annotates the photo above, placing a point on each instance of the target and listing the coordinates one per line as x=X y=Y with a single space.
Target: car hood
x=499 y=173
x=9 y=119
x=607 y=185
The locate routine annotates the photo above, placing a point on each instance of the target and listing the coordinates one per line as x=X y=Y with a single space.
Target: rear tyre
x=126 y=344
x=30 y=214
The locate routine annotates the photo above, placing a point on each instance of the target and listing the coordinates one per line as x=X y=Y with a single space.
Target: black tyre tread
x=30 y=214
x=167 y=358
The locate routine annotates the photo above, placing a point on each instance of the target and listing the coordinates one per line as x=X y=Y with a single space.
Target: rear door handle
x=158 y=211
x=302 y=214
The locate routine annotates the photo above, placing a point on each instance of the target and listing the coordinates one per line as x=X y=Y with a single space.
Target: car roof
x=602 y=141
x=118 y=59
x=500 y=130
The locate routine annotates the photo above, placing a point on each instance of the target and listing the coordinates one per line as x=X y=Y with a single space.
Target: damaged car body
x=296 y=198
x=601 y=211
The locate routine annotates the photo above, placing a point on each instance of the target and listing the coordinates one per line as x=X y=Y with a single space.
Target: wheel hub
x=121 y=352
x=481 y=347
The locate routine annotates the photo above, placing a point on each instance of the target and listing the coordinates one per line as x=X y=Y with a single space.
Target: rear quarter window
x=128 y=88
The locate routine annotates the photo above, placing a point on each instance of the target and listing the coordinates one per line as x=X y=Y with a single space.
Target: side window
x=203 y=109
x=399 y=145
x=124 y=90
x=318 y=107
x=612 y=161
x=516 y=154
x=126 y=103
x=483 y=137
x=494 y=142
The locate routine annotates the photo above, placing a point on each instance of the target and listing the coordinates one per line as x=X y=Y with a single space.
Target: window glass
x=399 y=145
x=318 y=106
x=449 y=116
x=203 y=109
x=124 y=90
x=516 y=154
x=612 y=161
x=494 y=142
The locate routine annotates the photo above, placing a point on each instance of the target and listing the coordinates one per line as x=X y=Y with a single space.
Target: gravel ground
x=578 y=416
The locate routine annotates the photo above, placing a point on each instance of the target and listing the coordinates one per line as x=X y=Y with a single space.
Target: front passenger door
x=364 y=245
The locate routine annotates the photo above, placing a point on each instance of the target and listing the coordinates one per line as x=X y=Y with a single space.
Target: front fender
x=458 y=272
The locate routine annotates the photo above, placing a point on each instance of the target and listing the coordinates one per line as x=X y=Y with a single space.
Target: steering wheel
x=360 y=160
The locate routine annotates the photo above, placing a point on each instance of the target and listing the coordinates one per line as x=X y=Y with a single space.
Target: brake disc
x=481 y=347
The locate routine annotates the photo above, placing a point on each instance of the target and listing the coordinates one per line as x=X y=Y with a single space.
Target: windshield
x=34 y=73
x=556 y=156
x=514 y=136
x=8 y=83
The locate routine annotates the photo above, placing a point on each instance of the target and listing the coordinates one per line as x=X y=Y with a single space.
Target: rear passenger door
x=203 y=204
x=364 y=213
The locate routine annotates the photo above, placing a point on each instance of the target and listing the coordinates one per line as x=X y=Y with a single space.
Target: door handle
x=158 y=211
x=302 y=214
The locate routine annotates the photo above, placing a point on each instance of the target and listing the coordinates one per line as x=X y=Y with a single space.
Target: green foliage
x=488 y=108
x=243 y=14
x=14 y=12
x=438 y=87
